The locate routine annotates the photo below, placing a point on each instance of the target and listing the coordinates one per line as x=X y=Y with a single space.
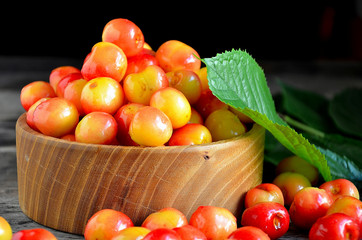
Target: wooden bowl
x=62 y=184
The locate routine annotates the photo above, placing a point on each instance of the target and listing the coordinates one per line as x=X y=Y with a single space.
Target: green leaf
x=309 y=107
x=342 y=145
x=341 y=166
x=346 y=110
x=343 y=154
x=236 y=79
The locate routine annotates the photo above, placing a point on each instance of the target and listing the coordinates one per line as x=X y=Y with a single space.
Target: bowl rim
x=21 y=123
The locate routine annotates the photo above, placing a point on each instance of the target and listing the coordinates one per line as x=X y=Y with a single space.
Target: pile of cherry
x=127 y=94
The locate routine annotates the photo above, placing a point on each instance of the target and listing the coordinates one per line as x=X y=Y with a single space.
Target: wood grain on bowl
x=62 y=184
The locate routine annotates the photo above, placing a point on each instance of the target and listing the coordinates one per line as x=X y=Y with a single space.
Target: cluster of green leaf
x=334 y=126
x=236 y=79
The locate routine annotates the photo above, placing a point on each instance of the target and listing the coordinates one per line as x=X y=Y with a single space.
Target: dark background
x=276 y=30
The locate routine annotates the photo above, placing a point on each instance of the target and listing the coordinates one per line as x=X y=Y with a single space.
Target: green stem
x=303 y=126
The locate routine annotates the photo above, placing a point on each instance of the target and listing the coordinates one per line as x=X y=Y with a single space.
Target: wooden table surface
x=321 y=76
